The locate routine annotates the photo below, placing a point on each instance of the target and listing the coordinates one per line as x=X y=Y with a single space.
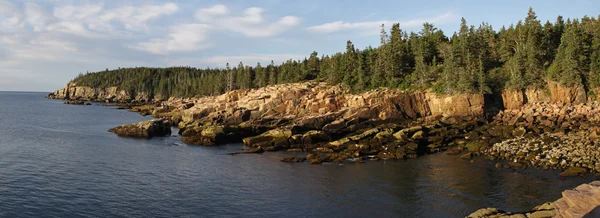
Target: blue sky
x=45 y=43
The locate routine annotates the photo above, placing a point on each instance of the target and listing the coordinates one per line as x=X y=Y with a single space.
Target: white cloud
x=135 y=18
x=372 y=27
x=251 y=23
x=10 y=21
x=184 y=37
x=252 y=15
x=88 y=20
x=36 y=16
x=207 y=14
x=36 y=48
x=71 y=12
x=55 y=40
x=74 y=28
x=194 y=36
x=30 y=32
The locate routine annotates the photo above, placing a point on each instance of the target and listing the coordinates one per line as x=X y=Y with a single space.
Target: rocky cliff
x=553 y=93
x=328 y=97
x=112 y=94
x=305 y=100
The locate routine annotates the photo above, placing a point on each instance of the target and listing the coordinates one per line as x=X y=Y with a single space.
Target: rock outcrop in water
x=144 y=129
x=583 y=201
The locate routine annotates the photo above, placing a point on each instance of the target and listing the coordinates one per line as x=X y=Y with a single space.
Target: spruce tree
x=349 y=66
x=533 y=50
x=313 y=65
x=568 y=67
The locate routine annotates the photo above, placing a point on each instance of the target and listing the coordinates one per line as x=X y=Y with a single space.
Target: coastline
x=336 y=126
x=223 y=121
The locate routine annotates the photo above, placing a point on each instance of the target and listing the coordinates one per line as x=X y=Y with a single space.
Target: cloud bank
x=218 y=18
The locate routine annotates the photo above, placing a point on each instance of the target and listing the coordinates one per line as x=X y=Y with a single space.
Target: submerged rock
x=144 y=129
x=573 y=171
x=75 y=102
x=467 y=156
x=293 y=159
x=453 y=152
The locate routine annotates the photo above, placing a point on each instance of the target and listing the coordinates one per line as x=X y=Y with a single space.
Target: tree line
x=476 y=59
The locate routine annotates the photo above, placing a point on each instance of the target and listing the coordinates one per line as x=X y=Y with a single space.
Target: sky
x=46 y=43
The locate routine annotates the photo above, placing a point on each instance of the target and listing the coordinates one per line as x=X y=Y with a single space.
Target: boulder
x=75 y=102
x=484 y=212
x=210 y=135
x=293 y=159
x=467 y=156
x=257 y=150
x=453 y=151
x=314 y=137
x=269 y=138
x=474 y=146
x=573 y=171
x=579 y=202
x=418 y=135
x=519 y=132
x=400 y=135
x=145 y=129
x=314 y=159
x=335 y=126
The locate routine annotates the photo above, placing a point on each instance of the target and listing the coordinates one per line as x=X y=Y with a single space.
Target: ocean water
x=59 y=160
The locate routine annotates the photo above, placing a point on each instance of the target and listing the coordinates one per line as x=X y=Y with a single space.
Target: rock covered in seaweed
x=144 y=129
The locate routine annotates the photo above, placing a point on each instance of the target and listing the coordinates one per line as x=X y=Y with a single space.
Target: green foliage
x=473 y=60
x=571 y=63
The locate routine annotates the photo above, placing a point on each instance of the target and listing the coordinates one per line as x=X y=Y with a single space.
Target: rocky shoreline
x=552 y=130
x=583 y=201
x=555 y=129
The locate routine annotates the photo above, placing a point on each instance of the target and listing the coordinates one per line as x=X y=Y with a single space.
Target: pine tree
x=241 y=76
x=349 y=66
x=421 y=70
x=395 y=57
x=595 y=56
x=568 y=67
x=273 y=74
x=261 y=79
x=361 y=72
x=230 y=78
x=533 y=51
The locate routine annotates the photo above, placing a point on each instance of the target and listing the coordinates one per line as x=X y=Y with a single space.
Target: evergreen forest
x=476 y=59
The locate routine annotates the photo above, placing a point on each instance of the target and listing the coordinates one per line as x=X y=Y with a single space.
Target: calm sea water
x=59 y=160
